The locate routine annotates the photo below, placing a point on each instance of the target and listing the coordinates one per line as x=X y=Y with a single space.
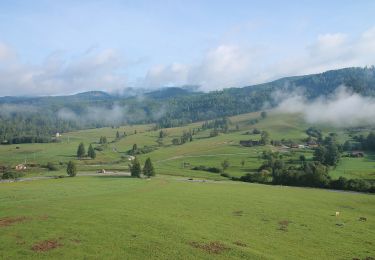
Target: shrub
x=12 y=175
x=135 y=168
x=71 y=169
x=148 y=169
x=51 y=167
x=207 y=169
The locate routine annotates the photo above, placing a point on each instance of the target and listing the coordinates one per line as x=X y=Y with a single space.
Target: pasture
x=171 y=159
x=170 y=218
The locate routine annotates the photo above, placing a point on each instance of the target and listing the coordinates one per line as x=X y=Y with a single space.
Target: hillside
x=169 y=218
x=43 y=116
x=183 y=212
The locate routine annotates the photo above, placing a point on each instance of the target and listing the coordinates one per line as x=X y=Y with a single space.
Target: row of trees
x=81 y=151
x=187 y=136
x=275 y=170
x=361 y=142
x=136 y=170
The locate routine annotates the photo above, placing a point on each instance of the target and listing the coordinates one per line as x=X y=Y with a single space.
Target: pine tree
x=148 y=169
x=81 y=152
x=71 y=169
x=103 y=140
x=135 y=168
x=91 y=152
x=135 y=148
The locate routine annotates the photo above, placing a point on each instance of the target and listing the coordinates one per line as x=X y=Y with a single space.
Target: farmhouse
x=357 y=154
x=249 y=143
x=21 y=167
x=312 y=144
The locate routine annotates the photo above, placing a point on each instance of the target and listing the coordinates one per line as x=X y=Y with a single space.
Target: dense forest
x=37 y=119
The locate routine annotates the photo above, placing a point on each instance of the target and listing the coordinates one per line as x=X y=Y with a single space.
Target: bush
x=207 y=169
x=12 y=175
x=51 y=166
x=99 y=148
x=148 y=169
x=135 y=168
x=71 y=169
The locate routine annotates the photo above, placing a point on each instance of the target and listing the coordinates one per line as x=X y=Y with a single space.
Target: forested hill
x=36 y=118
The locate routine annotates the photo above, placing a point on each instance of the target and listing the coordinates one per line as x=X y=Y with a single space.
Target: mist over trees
x=42 y=117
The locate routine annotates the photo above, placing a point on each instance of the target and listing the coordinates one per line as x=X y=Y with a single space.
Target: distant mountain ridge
x=360 y=80
x=167 y=107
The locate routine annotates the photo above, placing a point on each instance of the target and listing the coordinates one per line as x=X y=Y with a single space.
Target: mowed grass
x=168 y=218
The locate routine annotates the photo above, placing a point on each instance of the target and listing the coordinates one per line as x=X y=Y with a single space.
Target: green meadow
x=181 y=213
x=171 y=218
x=171 y=159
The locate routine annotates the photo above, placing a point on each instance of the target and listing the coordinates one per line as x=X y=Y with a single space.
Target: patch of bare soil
x=284 y=225
x=237 y=213
x=46 y=245
x=239 y=243
x=43 y=217
x=8 y=221
x=214 y=247
x=76 y=241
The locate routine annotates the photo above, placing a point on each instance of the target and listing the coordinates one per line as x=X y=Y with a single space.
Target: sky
x=50 y=47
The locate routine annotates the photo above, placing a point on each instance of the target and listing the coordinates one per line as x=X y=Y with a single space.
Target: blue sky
x=62 y=47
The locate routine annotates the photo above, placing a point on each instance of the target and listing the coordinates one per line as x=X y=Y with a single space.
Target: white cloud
x=91 y=71
x=234 y=65
x=6 y=52
x=225 y=65
x=343 y=108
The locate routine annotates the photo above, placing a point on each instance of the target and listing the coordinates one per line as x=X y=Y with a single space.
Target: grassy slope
x=169 y=159
x=113 y=218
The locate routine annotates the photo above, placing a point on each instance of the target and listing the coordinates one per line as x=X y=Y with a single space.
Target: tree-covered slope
x=42 y=116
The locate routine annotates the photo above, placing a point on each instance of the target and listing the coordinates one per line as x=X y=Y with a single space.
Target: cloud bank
x=342 y=109
x=230 y=65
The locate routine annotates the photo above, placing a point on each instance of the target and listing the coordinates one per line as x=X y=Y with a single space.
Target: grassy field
x=170 y=159
x=171 y=218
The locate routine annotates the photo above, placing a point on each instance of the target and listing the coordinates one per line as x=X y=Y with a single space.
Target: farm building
x=357 y=154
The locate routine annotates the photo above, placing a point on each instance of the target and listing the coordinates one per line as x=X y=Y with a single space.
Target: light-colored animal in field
x=337 y=213
x=21 y=167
